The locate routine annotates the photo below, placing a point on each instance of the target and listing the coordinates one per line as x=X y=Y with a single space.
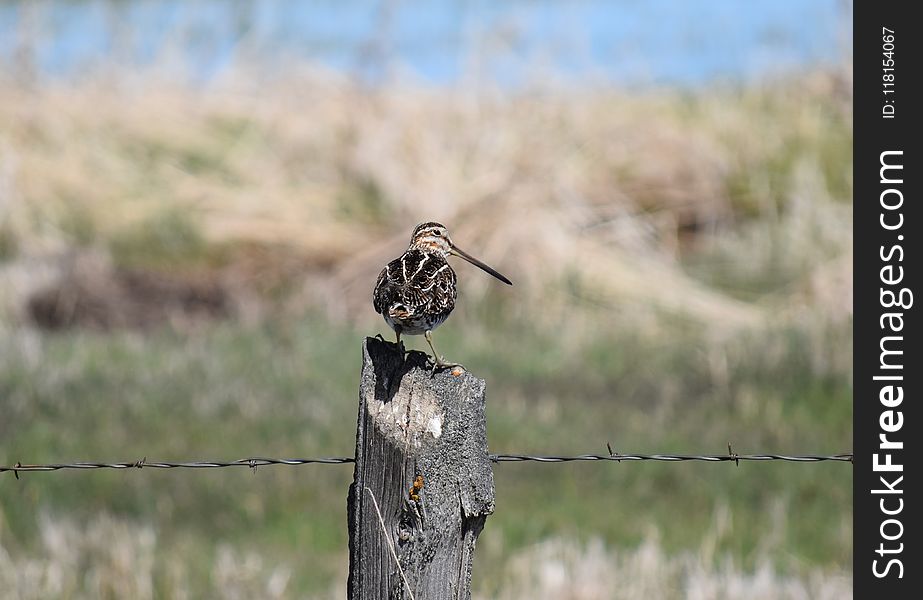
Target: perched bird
x=416 y=292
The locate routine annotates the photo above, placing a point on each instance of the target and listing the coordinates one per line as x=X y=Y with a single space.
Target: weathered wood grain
x=414 y=424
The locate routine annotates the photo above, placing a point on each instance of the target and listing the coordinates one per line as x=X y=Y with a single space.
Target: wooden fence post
x=423 y=484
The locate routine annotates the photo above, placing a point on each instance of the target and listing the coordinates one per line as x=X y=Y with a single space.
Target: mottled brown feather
x=416 y=291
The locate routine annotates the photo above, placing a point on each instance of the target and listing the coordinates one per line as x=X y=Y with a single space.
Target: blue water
x=438 y=42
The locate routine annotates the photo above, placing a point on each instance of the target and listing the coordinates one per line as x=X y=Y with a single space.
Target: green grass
x=167 y=239
x=232 y=390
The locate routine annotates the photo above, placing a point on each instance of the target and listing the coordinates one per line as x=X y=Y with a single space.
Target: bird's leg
x=400 y=345
x=438 y=361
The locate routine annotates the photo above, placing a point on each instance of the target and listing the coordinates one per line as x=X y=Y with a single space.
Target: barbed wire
x=255 y=462
x=736 y=458
x=212 y=464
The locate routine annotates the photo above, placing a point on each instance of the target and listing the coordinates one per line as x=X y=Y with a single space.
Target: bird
x=416 y=292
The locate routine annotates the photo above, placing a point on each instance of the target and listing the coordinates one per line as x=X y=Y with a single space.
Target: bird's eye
x=437 y=233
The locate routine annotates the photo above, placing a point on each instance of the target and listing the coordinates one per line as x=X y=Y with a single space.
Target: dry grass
x=113 y=558
x=572 y=571
x=585 y=199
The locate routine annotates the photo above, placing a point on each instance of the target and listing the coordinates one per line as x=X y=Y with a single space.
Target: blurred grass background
x=186 y=270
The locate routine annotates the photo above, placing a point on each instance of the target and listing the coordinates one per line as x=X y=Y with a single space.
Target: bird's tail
x=399 y=311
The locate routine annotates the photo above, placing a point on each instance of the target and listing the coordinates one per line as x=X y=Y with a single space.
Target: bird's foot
x=440 y=364
x=438 y=361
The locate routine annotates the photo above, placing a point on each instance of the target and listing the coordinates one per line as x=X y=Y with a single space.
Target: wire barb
x=609 y=448
x=731 y=453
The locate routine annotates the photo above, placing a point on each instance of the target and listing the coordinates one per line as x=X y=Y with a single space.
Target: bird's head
x=431 y=237
x=434 y=237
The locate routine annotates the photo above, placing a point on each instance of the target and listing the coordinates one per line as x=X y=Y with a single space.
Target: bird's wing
x=431 y=284
x=389 y=281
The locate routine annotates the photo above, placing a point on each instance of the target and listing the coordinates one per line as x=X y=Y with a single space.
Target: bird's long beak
x=456 y=251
